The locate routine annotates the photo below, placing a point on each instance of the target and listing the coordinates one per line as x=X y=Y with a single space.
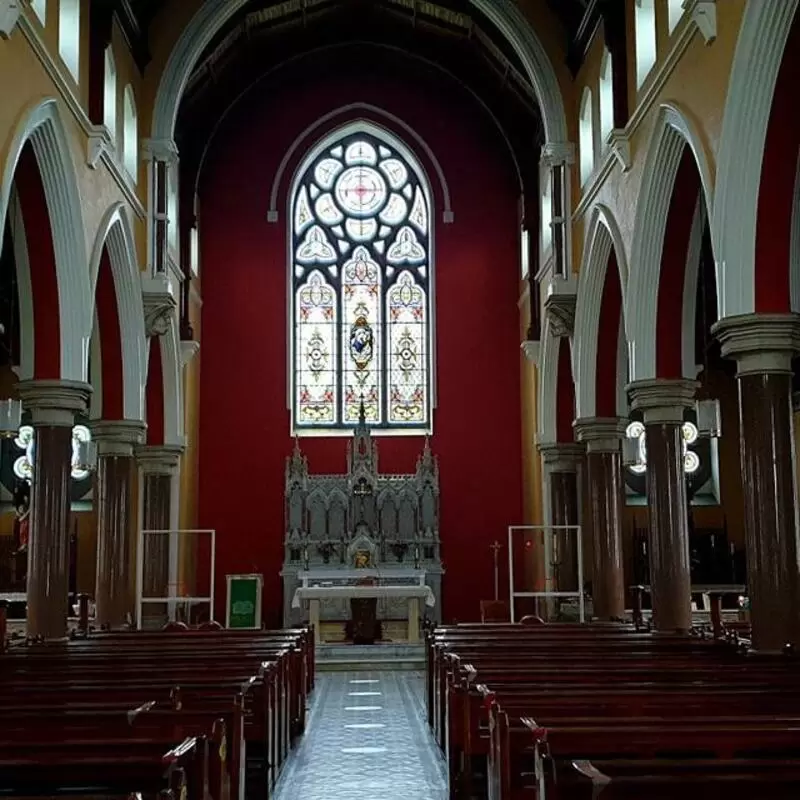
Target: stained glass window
x=361 y=276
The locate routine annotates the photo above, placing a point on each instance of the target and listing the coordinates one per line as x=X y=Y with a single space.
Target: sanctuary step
x=375 y=657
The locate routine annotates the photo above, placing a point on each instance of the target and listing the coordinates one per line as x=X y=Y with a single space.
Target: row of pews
x=181 y=714
x=605 y=710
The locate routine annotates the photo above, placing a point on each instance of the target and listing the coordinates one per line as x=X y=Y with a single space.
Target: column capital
x=601 y=434
x=117 y=437
x=562 y=456
x=759 y=342
x=53 y=402
x=9 y=16
x=161 y=459
x=555 y=153
x=160 y=150
x=662 y=399
x=531 y=351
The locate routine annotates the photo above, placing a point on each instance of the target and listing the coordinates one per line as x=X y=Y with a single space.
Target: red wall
x=244 y=422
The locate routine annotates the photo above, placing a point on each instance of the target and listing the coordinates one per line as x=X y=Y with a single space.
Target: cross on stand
x=496 y=547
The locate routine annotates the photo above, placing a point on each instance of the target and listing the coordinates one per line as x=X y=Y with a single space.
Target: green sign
x=244 y=601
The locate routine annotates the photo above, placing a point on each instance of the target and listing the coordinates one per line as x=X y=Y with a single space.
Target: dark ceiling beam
x=616 y=40
x=582 y=38
x=611 y=14
x=134 y=29
x=101 y=17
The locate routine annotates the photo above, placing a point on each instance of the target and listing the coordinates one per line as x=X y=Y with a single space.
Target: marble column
x=763 y=346
x=603 y=439
x=158 y=464
x=562 y=462
x=52 y=405
x=115 y=583
x=663 y=404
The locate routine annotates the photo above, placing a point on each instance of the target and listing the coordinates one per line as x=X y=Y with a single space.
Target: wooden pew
x=103 y=768
x=663 y=688
x=194 y=677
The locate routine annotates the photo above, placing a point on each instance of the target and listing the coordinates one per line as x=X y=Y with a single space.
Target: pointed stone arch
x=603 y=246
x=760 y=48
x=115 y=240
x=42 y=127
x=673 y=132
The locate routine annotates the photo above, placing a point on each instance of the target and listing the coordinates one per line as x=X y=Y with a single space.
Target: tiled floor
x=367 y=739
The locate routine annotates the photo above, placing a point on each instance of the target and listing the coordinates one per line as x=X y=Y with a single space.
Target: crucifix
x=496 y=547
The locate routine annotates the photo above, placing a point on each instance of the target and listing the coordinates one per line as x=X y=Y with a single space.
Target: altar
x=411 y=594
x=362 y=534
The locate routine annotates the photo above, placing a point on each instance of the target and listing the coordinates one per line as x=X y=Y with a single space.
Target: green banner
x=243 y=600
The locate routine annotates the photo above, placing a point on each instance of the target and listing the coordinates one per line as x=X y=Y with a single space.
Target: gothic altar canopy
x=385 y=525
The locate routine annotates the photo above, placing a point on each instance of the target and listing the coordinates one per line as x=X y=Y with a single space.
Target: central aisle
x=366 y=739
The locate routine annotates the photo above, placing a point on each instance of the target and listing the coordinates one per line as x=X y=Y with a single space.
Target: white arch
x=24 y=287
x=794 y=244
x=212 y=15
x=173 y=384
x=672 y=132
x=357 y=125
x=603 y=236
x=690 y=277
x=115 y=232
x=42 y=125
x=759 y=51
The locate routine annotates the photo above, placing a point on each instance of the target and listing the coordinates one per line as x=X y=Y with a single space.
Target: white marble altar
x=361 y=524
x=412 y=594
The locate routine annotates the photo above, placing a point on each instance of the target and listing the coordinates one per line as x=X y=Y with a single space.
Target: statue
x=22 y=499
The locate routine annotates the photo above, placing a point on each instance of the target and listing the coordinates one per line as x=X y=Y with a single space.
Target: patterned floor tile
x=367 y=739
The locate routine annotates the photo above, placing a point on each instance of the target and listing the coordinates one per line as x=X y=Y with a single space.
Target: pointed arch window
x=606 y=98
x=361 y=272
x=645 y=31
x=40 y=9
x=675 y=12
x=110 y=95
x=586 y=136
x=130 y=134
x=69 y=35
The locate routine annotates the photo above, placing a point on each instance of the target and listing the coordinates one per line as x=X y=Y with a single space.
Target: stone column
x=603 y=439
x=663 y=404
x=562 y=462
x=158 y=464
x=763 y=346
x=52 y=405
x=115 y=584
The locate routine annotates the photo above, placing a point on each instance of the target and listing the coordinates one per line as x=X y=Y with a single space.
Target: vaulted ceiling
x=419 y=38
x=449 y=35
x=570 y=13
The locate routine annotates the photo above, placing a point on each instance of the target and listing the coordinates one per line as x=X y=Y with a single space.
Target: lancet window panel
x=361 y=266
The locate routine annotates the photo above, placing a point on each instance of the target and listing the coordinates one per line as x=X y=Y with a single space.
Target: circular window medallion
x=361 y=191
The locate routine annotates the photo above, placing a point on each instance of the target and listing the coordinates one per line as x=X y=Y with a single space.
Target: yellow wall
x=697 y=86
x=32 y=85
